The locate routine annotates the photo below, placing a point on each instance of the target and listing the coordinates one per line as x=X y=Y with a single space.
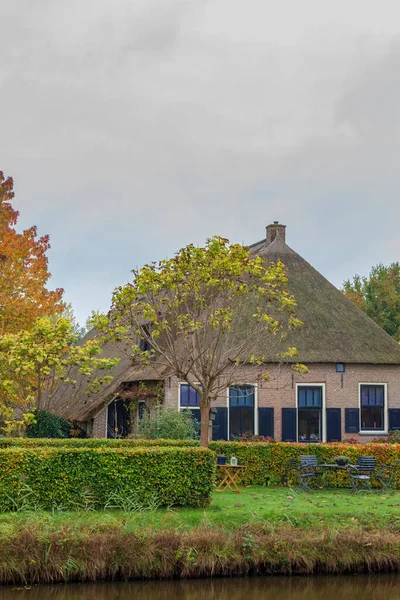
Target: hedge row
x=69 y=478
x=265 y=462
x=270 y=463
x=91 y=443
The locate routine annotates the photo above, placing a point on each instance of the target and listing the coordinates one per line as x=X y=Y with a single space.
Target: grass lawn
x=338 y=509
x=262 y=530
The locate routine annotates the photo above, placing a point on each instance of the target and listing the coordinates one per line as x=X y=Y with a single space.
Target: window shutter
x=266 y=422
x=289 y=424
x=333 y=425
x=352 y=420
x=220 y=424
x=394 y=419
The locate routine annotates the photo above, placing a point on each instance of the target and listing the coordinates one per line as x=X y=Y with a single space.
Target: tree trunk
x=205 y=424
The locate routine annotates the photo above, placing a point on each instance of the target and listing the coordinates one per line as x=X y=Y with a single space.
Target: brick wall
x=100 y=424
x=339 y=393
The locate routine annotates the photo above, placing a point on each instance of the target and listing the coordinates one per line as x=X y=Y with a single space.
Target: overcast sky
x=134 y=127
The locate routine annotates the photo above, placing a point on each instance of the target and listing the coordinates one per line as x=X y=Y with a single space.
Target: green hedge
x=91 y=443
x=54 y=478
x=269 y=462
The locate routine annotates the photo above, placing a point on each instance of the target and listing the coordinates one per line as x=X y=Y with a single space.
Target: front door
x=118 y=419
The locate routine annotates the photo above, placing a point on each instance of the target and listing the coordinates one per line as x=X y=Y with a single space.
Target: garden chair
x=386 y=474
x=307 y=470
x=363 y=472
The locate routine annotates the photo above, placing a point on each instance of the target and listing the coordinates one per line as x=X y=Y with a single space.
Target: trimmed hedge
x=266 y=462
x=54 y=478
x=269 y=462
x=91 y=443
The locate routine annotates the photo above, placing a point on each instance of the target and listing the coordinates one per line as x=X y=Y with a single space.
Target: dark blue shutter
x=220 y=424
x=352 y=420
x=333 y=425
x=394 y=419
x=266 y=422
x=288 y=424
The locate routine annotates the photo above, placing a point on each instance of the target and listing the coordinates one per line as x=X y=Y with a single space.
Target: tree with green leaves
x=378 y=295
x=33 y=362
x=79 y=330
x=202 y=315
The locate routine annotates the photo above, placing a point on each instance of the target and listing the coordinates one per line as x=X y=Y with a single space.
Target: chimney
x=274 y=230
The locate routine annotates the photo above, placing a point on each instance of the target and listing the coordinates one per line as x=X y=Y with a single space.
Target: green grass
x=262 y=530
x=255 y=504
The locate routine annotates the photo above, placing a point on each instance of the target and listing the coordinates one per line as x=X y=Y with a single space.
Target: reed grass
x=114 y=553
x=262 y=531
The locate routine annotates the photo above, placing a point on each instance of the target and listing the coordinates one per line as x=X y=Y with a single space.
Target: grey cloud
x=133 y=128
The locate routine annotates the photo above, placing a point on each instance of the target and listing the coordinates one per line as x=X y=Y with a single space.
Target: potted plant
x=341 y=461
x=221 y=459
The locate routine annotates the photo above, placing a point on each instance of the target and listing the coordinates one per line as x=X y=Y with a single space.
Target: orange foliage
x=23 y=270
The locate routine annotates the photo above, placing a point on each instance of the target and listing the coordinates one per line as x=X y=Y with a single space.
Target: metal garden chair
x=364 y=470
x=386 y=474
x=307 y=470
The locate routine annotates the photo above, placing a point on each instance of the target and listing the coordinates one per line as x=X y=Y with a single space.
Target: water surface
x=354 y=587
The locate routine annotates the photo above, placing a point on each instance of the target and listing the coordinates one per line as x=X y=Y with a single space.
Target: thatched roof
x=334 y=329
x=72 y=402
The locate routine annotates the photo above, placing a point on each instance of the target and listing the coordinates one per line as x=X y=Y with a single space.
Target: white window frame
x=179 y=398
x=323 y=408
x=255 y=386
x=385 y=410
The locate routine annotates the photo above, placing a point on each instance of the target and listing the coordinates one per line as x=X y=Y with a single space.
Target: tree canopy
x=378 y=295
x=204 y=313
x=33 y=362
x=23 y=270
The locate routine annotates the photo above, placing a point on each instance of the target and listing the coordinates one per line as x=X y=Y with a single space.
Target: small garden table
x=229 y=475
x=335 y=467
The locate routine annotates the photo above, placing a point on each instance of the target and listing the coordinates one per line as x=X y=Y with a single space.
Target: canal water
x=352 y=587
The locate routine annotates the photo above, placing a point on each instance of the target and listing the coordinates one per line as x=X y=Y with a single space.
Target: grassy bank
x=259 y=531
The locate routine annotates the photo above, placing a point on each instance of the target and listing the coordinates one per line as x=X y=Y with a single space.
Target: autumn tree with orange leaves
x=23 y=270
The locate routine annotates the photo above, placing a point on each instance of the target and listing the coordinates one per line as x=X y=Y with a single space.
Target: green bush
x=270 y=463
x=48 y=425
x=168 y=424
x=72 y=478
x=394 y=437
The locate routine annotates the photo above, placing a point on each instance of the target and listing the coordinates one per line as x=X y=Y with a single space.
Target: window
x=309 y=413
x=189 y=399
x=339 y=367
x=143 y=342
x=143 y=410
x=372 y=400
x=241 y=409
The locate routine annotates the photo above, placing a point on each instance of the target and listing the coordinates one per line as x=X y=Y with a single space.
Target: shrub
x=271 y=462
x=69 y=478
x=48 y=425
x=168 y=424
x=394 y=437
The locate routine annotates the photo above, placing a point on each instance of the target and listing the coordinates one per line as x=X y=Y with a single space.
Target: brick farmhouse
x=352 y=389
